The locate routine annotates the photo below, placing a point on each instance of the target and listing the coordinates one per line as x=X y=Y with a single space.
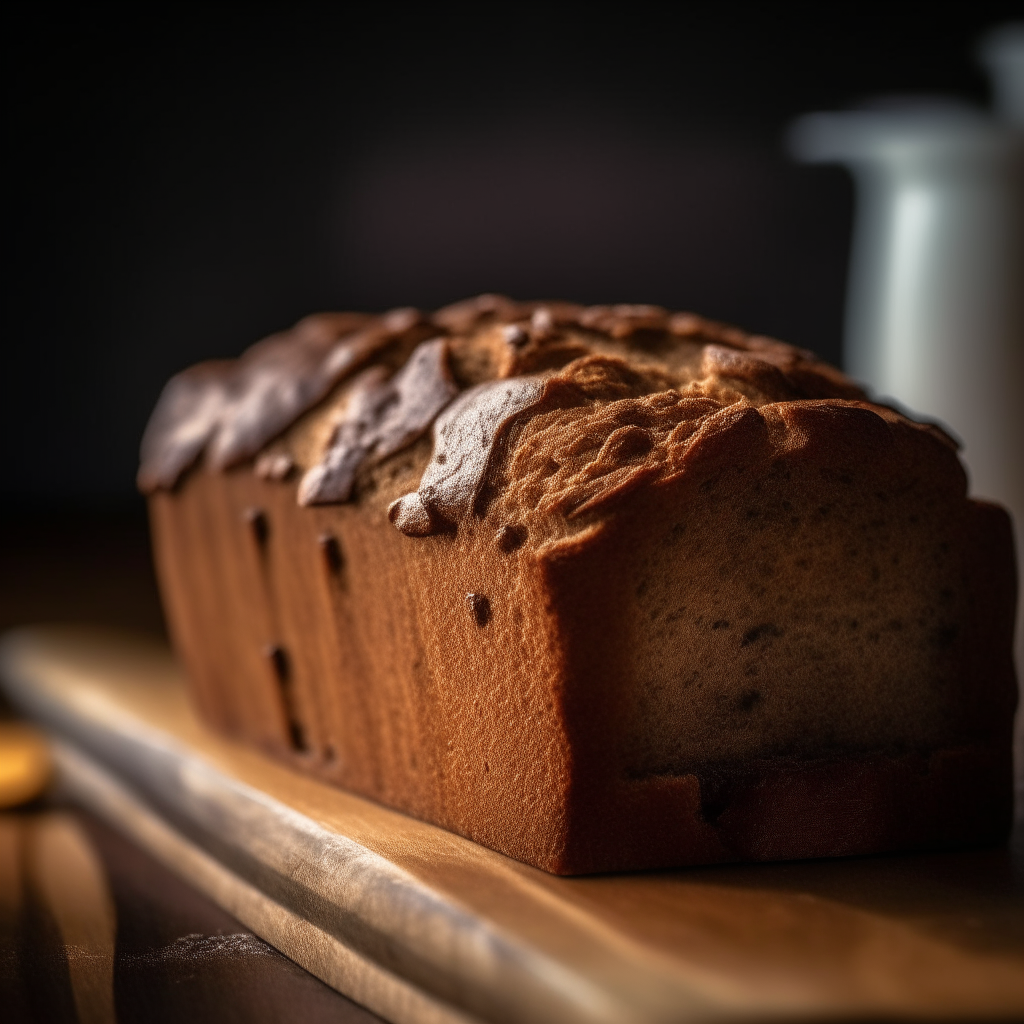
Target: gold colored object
x=25 y=763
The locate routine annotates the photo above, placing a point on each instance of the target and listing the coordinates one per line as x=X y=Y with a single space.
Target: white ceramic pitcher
x=935 y=306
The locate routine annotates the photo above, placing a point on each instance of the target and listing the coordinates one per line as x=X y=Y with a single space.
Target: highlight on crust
x=557 y=363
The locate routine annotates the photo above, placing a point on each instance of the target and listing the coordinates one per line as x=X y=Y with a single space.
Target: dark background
x=184 y=181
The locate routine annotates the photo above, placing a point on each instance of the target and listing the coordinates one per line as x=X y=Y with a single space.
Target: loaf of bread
x=601 y=588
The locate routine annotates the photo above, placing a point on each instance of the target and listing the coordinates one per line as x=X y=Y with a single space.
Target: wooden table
x=418 y=924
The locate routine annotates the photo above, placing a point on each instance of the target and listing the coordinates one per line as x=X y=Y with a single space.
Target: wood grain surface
x=421 y=925
x=68 y=881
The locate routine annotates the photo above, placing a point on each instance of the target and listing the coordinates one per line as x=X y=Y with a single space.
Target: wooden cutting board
x=419 y=924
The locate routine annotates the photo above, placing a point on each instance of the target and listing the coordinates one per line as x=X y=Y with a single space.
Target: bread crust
x=652 y=591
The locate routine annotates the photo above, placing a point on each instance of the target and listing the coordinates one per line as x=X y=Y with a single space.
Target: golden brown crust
x=590 y=357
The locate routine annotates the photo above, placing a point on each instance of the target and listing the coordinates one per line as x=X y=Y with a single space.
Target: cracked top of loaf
x=551 y=411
